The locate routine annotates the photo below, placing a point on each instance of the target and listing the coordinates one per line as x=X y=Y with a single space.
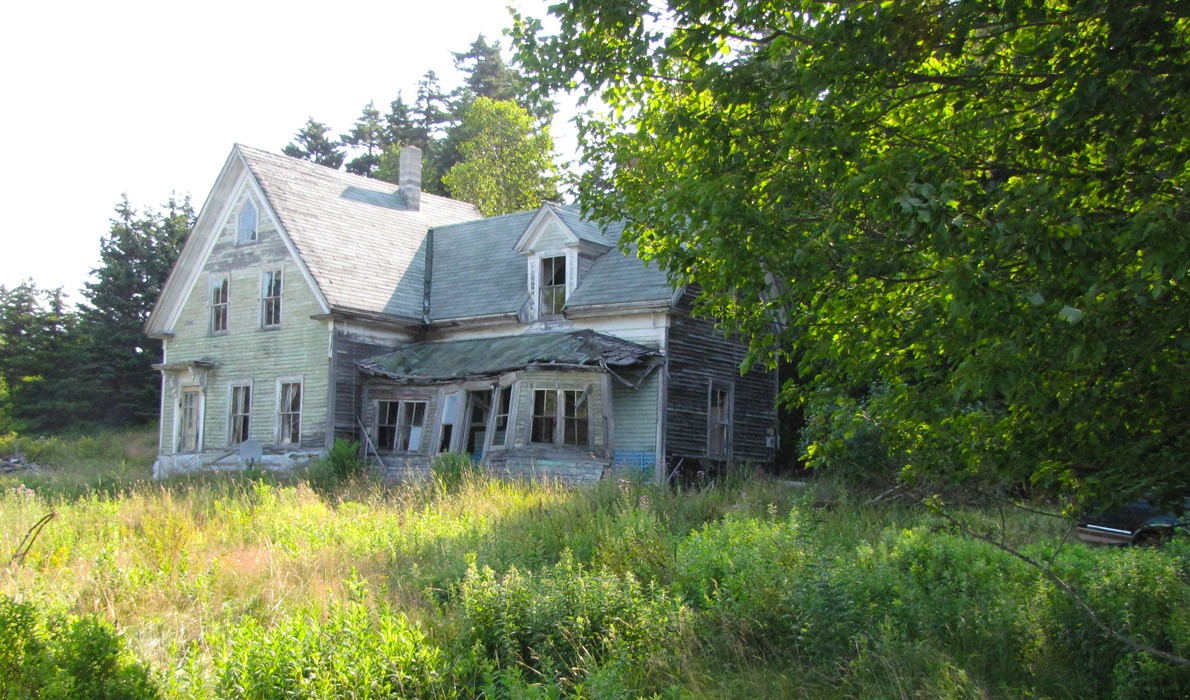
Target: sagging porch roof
x=458 y=360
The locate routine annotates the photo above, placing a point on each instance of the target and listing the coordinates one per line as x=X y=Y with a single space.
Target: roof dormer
x=558 y=245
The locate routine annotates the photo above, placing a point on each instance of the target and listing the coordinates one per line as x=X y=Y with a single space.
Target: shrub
x=82 y=658
x=343 y=651
x=566 y=625
x=450 y=469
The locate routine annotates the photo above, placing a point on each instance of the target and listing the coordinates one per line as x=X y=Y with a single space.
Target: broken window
x=500 y=421
x=719 y=420
x=240 y=412
x=190 y=419
x=270 y=299
x=400 y=424
x=247 y=223
x=289 y=413
x=575 y=420
x=561 y=417
x=545 y=415
x=219 y=290
x=553 y=285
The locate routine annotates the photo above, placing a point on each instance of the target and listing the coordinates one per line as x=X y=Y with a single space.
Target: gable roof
x=489 y=357
x=364 y=248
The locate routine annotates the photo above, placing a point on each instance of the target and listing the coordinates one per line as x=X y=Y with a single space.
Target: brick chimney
x=409 y=177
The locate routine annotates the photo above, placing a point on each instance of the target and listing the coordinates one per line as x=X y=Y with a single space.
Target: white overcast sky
x=148 y=96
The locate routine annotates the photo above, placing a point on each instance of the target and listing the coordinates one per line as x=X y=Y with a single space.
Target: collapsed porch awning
x=458 y=360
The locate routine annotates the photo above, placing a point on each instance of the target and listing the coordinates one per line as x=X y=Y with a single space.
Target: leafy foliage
x=81 y=659
x=978 y=206
x=506 y=164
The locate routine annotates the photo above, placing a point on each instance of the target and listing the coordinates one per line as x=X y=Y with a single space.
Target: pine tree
x=312 y=143
x=368 y=136
x=135 y=259
x=40 y=355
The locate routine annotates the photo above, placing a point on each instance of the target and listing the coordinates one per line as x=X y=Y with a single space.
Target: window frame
x=182 y=433
x=502 y=409
x=402 y=428
x=720 y=423
x=218 y=310
x=248 y=206
x=559 y=422
x=561 y=289
x=267 y=277
x=245 y=432
x=280 y=414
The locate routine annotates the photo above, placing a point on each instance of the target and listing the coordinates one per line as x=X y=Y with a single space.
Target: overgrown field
x=467 y=587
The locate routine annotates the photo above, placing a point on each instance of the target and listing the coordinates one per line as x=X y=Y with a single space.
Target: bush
x=566 y=625
x=66 y=659
x=450 y=469
x=343 y=651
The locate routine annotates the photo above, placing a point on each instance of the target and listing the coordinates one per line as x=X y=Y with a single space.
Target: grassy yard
x=264 y=587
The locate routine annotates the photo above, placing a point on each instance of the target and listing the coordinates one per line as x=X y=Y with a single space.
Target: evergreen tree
x=312 y=143
x=507 y=165
x=487 y=75
x=135 y=259
x=399 y=126
x=40 y=354
x=368 y=136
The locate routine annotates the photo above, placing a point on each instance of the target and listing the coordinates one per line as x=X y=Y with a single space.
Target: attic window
x=248 y=221
x=553 y=286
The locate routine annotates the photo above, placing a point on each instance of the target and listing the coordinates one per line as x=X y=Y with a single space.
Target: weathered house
x=311 y=304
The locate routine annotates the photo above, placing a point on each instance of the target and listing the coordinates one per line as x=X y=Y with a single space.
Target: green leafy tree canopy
x=965 y=222
x=507 y=164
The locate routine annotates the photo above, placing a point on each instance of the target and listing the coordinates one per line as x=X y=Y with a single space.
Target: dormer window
x=553 y=286
x=248 y=221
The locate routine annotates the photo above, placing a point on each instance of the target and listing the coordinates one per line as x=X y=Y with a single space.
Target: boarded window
x=270 y=299
x=500 y=420
x=289 y=414
x=719 y=421
x=219 y=290
x=553 y=285
x=240 y=413
x=545 y=415
x=190 y=419
x=247 y=223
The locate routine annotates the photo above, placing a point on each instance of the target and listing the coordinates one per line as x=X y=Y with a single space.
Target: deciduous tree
x=507 y=164
x=965 y=221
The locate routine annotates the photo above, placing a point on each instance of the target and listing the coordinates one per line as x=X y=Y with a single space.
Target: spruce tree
x=135 y=260
x=366 y=137
x=312 y=143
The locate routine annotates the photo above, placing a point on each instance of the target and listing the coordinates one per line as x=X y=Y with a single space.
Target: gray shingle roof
x=486 y=357
x=477 y=272
x=364 y=248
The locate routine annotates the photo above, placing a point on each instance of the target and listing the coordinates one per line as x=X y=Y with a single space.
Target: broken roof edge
x=450 y=361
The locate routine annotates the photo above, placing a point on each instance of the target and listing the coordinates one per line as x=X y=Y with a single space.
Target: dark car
x=1137 y=523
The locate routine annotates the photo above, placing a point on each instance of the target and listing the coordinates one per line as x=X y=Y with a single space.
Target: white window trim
x=559 y=437
x=179 y=424
x=248 y=201
x=534 y=278
x=211 y=284
x=300 y=381
x=264 y=276
x=510 y=427
x=231 y=387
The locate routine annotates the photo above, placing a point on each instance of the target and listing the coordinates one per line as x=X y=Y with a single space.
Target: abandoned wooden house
x=310 y=304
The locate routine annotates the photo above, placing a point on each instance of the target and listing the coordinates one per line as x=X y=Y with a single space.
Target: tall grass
x=470 y=587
